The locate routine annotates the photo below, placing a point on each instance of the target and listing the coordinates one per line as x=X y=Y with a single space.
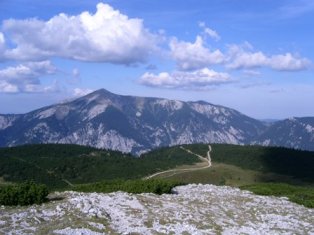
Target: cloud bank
x=198 y=79
x=25 y=77
x=190 y=56
x=195 y=59
x=106 y=36
x=244 y=57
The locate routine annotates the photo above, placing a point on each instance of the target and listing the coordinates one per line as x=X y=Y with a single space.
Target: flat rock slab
x=193 y=209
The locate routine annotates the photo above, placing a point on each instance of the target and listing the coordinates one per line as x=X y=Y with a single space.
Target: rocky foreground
x=193 y=209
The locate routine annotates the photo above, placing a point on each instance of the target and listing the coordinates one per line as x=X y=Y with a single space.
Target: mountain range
x=136 y=124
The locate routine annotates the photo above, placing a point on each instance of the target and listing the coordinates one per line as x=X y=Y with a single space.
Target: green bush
x=156 y=186
x=23 y=194
x=301 y=195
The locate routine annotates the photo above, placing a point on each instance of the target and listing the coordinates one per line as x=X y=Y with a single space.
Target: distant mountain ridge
x=291 y=133
x=136 y=124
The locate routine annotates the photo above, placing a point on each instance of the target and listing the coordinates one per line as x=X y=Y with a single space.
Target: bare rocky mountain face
x=137 y=124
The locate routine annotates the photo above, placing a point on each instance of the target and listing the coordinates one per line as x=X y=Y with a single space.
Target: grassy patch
x=297 y=194
x=156 y=186
x=225 y=174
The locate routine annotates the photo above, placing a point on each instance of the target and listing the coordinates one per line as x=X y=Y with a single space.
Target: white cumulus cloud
x=6 y=87
x=198 y=79
x=244 y=57
x=106 y=36
x=288 y=62
x=26 y=77
x=191 y=56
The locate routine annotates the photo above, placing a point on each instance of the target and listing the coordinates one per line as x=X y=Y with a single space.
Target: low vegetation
x=156 y=186
x=59 y=166
x=267 y=170
x=297 y=194
x=26 y=193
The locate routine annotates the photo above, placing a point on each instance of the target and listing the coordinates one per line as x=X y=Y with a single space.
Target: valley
x=60 y=165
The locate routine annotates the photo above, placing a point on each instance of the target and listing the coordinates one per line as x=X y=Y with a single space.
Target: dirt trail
x=206 y=159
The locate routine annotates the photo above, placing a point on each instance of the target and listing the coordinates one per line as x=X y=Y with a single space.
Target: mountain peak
x=99 y=95
x=102 y=91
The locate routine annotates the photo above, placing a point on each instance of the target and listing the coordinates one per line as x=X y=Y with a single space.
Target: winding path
x=206 y=159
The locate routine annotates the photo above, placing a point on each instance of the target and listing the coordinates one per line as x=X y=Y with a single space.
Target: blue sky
x=255 y=56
